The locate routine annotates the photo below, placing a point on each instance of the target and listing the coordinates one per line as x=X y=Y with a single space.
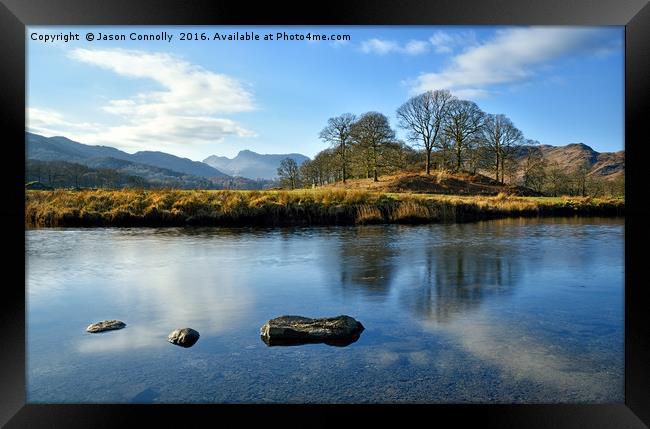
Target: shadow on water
x=288 y=342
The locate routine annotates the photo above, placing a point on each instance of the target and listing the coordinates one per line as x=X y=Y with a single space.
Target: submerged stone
x=185 y=337
x=295 y=330
x=105 y=325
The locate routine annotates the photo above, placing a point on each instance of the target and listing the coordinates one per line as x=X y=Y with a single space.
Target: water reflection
x=521 y=356
x=289 y=342
x=153 y=280
x=455 y=278
x=131 y=338
x=440 y=271
x=365 y=261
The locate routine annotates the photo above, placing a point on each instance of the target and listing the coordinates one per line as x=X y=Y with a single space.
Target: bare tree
x=463 y=125
x=557 y=182
x=396 y=157
x=321 y=170
x=288 y=172
x=326 y=166
x=423 y=116
x=501 y=138
x=361 y=160
x=580 y=176
x=618 y=186
x=534 y=167
x=338 y=133
x=310 y=173
x=446 y=151
x=512 y=140
x=372 y=132
x=478 y=155
x=75 y=172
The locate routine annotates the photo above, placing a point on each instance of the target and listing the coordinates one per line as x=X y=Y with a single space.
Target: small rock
x=185 y=337
x=296 y=330
x=105 y=325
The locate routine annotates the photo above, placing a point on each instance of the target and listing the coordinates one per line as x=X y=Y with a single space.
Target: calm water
x=498 y=311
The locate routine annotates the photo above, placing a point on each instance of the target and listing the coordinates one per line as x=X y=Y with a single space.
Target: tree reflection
x=460 y=274
x=366 y=260
x=438 y=270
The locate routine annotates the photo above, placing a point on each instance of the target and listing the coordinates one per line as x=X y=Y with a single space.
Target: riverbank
x=157 y=208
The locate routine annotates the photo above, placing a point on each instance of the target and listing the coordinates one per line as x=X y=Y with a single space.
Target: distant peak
x=246 y=152
x=580 y=145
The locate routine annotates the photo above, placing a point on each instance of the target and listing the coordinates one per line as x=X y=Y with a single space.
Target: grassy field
x=63 y=208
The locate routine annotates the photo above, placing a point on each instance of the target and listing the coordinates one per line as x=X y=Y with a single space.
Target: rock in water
x=295 y=330
x=185 y=337
x=105 y=325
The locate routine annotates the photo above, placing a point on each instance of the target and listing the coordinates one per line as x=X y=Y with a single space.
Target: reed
x=132 y=207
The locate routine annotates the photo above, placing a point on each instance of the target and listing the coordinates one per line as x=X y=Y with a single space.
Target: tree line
x=63 y=174
x=443 y=132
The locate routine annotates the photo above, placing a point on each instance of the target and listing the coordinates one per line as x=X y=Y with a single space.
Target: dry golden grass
x=299 y=207
x=438 y=182
x=368 y=214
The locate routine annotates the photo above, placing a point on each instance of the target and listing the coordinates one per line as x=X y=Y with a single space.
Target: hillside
x=251 y=164
x=607 y=165
x=437 y=183
x=171 y=162
x=63 y=149
x=118 y=173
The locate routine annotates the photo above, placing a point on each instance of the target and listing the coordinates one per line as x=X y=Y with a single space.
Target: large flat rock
x=105 y=325
x=296 y=330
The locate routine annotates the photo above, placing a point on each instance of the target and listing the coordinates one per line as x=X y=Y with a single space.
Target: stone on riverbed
x=296 y=330
x=105 y=325
x=185 y=337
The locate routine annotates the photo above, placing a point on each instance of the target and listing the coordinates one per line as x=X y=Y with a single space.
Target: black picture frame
x=633 y=14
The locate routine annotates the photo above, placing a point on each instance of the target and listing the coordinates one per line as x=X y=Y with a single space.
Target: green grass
x=63 y=208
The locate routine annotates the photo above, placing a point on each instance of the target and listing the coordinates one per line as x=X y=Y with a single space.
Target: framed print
x=281 y=210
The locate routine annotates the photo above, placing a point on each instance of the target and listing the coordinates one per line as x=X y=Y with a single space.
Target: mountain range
x=252 y=165
x=248 y=170
x=63 y=149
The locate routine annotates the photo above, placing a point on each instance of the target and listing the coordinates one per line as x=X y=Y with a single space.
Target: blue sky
x=559 y=85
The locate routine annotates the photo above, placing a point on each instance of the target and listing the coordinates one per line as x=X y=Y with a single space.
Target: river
x=502 y=311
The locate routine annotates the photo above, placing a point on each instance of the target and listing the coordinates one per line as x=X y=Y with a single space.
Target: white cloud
x=49 y=123
x=513 y=55
x=167 y=131
x=441 y=41
x=470 y=93
x=181 y=113
x=383 y=47
x=445 y=42
x=416 y=47
x=378 y=46
x=185 y=85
